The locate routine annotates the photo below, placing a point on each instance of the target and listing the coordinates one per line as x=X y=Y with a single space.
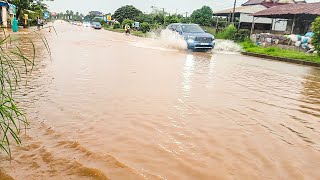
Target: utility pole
x=186 y=14
x=234 y=10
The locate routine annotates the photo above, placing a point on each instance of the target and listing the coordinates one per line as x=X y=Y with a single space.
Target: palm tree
x=71 y=14
x=67 y=14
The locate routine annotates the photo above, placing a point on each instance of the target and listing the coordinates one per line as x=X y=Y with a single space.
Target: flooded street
x=111 y=106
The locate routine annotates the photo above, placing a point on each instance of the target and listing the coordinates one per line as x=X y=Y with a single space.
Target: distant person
x=127 y=29
x=41 y=23
x=38 y=23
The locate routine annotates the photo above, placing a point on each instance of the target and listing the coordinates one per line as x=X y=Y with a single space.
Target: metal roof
x=253 y=2
x=241 y=9
x=289 y=10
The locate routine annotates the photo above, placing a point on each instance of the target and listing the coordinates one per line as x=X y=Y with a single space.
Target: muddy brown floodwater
x=110 y=106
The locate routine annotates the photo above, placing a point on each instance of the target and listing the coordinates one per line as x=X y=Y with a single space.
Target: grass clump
x=248 y=46
x=14 y=65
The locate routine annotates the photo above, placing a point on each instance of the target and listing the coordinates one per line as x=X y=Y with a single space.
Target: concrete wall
x=277 y=24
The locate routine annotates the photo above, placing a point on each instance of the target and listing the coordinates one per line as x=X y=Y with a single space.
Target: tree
x=316 y=37
x=202 y=16
x=145 y=27
x=145 y=18
x=68 y=14
x=38 y=7
x=126 y=12
x=127 y=22
x=21 y=5
x=89 y=17
x=173 y=19
x=71 y=14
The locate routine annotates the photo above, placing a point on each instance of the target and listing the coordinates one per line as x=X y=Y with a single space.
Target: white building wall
x=248 y=19
x=278 y=24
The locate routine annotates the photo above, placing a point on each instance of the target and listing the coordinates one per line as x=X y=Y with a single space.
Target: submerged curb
x=295 y=61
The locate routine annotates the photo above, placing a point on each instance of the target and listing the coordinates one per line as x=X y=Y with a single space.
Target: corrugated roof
x=291 y=9
x=253 y=2
x=243 y=9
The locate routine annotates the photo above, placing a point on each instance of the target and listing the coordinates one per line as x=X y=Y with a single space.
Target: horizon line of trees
x=70 y=15
x=202 y=16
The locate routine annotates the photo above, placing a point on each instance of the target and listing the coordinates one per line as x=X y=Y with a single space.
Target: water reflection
x=310 y=107
x=188 y=71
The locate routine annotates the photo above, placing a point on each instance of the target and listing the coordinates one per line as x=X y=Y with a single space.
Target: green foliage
x=126 y=12
x=186 y=20
x=145 y=18
x=249 y=46
x=202 y=16
x=14 y=64
x=89 y=17
x=156 y=26
x=116 y=25
x=173 y=19
x=127 y=22
x=159 y=18
x=102 y=22
x=242 y=35
x=228 y=33
x=209 y=29
x=145 y=27
x=316 y=37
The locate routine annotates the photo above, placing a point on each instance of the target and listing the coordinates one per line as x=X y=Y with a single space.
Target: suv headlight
x=191 y=39
x=213 y=39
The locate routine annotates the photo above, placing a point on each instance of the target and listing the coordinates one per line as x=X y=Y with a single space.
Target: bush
x=145 y=27
x=316 y=36
x=228 y=33
x=242 y=35
x=102 y=22
x=156 y=26
x=127 y=22
x=116 y=25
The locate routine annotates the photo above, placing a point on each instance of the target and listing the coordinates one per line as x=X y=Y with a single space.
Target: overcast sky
x=106 y=6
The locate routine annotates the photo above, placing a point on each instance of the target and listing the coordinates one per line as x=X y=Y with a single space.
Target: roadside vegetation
x=249 y=46
x=13 y=66
x=316 y=37
x=33 y=8
x=157 y=19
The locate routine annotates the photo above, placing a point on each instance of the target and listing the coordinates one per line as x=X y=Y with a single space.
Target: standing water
x=104 y=108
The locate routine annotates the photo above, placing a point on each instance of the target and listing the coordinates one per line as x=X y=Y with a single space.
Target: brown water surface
x=103 y=107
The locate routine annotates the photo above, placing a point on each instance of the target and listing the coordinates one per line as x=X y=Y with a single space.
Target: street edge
x=295 y=61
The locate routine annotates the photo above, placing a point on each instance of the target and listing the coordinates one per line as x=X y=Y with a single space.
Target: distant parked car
x=86 y=24
x=195 y=36
x=96 y=25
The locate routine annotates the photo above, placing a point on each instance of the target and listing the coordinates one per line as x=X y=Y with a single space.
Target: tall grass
x=13 y=64
x=249 y=46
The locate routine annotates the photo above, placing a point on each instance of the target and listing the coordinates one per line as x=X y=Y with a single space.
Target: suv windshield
x=96 y=24
x=192 y=29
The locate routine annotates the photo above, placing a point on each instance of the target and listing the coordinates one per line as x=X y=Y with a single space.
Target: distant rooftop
x=241 y=9
x=289 y=10
x=270 y=3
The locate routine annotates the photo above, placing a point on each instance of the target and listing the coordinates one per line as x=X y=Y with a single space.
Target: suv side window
x=179 y=29
x=174 y=27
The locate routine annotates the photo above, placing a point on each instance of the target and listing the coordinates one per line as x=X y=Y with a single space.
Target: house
x=243 y=14
x=298 y=15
